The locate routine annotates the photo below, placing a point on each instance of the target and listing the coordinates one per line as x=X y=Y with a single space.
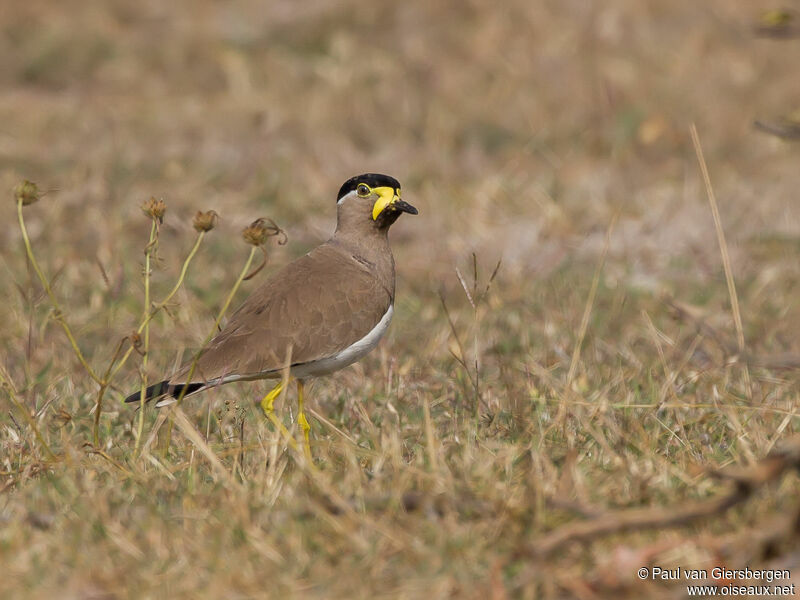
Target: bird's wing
x=317 y=306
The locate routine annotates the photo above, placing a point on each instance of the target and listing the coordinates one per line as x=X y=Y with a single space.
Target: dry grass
x=521 y=135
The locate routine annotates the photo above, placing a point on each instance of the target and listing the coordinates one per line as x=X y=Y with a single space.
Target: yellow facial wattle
x=386 y=196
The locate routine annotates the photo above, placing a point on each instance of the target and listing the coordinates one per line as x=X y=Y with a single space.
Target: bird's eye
x=363 y=190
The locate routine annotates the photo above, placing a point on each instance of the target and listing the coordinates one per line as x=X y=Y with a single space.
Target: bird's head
x=372 y=198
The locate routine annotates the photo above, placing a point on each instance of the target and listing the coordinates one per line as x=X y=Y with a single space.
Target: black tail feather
x=162 y=388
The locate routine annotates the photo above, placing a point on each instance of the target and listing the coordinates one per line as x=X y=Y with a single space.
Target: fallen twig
x=746 y=481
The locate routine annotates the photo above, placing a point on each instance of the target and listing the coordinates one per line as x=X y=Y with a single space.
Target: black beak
x=402 y=206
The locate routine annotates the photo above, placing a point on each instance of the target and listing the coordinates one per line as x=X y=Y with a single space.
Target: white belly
x=347 y=356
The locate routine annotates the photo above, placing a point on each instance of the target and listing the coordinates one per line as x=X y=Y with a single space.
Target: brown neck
x=366 y=241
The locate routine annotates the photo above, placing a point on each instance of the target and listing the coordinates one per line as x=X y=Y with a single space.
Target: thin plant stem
x=218 y=320
x=587 y=311
x=12 y=394
x=214 y=330
x=471 y=297
x=159 y=305
x=475 y=300
x=723 y=249
x=461 y=357
x=151 y=245
x=181 y=277
x=113 y=366
x=59 y=315
x=100 y=393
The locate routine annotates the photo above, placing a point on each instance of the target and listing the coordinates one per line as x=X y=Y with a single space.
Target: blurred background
x=519 y=133
x=521 y=130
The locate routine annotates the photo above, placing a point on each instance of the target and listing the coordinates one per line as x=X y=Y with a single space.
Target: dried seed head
x=205 y=221
x=155 y=209
x=26 y=192
x=136 y=342
x=260 y=230
x=61 y=418
x=255 y=234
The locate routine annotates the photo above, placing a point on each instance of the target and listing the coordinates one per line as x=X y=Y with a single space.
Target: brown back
x=317 y=305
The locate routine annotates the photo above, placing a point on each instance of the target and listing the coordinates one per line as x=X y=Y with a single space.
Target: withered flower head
x=205 y=221
x=155 y=209
x=260 y=230
x=61 y=418
x=136 y=342
x=27 y=192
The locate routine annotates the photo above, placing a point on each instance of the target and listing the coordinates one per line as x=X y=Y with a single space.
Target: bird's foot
x=268 y=401
x=303 y=422
x=268 y=407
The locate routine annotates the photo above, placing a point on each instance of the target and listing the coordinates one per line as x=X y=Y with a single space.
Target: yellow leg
x=301 y=418
x=268 y=401
x=267 y=405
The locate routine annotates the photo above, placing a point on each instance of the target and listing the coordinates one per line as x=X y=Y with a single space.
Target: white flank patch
x=347 y=356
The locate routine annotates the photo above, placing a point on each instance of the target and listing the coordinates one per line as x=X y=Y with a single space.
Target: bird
x=318 y=314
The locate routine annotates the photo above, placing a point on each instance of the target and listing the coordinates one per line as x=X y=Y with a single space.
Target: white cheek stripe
x=343 y=198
